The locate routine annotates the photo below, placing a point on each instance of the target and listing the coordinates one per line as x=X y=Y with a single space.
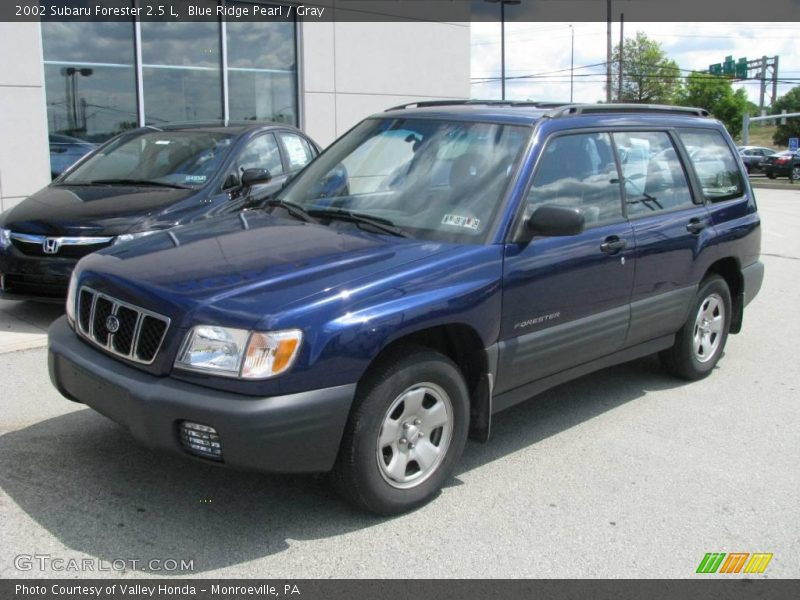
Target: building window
x=181 y=74
x=91 y=81
x=90 y=84
x=262 y=71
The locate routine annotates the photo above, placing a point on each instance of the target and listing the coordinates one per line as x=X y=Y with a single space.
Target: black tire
x=683 y=359
x=794 y=174
x=771 y=175
x=357 y=475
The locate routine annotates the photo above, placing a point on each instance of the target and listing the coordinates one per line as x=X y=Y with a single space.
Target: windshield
x=179 y=158
x=438 y=180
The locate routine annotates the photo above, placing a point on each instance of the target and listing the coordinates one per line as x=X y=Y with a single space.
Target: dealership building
x=68 y=81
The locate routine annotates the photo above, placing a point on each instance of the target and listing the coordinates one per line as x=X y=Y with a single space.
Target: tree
x=716 y=95
x=648 y=75
x=790 y=101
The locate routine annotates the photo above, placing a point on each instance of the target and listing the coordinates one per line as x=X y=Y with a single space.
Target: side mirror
x=551 y=221
x=252 y=177
x=231 y=181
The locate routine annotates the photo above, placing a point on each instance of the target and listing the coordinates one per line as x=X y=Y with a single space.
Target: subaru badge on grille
x=112 y=324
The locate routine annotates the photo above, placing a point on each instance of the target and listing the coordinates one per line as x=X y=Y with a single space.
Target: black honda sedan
x=140 y=182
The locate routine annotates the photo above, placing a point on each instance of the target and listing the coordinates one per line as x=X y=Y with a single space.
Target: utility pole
x=763 y=77
x=608 y=51
x=572 y=64
x=621 y=53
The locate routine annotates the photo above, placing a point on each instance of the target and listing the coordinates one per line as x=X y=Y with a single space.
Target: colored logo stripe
x=734 y=562
x=758 y=563
x=711 y=562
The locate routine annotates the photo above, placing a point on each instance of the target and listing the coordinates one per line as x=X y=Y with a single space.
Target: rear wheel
x=406 y=433
x=700 y=342
x=771 y=175
x=794 y=175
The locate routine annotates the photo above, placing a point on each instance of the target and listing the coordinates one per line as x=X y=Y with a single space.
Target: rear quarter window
x=715 y=165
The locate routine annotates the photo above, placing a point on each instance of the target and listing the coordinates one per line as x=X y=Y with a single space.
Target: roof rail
x=587 y=109
x=434 y=103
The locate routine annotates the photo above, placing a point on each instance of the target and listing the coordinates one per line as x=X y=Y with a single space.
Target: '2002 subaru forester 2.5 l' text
x=439 y=263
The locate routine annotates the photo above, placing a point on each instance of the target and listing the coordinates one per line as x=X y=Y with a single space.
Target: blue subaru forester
x=439 y=263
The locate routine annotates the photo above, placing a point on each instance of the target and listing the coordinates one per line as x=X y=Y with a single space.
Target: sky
x=543 y=49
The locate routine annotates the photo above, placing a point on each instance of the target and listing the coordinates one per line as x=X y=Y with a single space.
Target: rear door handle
x=613 y=244
x=695 y=225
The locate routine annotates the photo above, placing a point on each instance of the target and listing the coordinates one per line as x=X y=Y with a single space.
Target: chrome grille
x=138 y=333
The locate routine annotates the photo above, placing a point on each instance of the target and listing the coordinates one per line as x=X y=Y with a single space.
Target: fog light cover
x=200 y=440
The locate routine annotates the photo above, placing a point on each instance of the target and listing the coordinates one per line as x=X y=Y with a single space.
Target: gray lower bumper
x=293 y=433
x=753 y=276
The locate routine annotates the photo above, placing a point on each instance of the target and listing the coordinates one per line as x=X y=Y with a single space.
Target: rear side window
x=298 y=151
x=715 y=165
x=579 y=171
x=654 y=176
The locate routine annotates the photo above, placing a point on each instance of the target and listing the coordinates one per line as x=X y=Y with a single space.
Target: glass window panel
x=262 y=71
x=714 y=163
x=90 y=86
x=579 y=171
x=654 y=176
x=181 y=72
x=298 y=152
x=261 y=153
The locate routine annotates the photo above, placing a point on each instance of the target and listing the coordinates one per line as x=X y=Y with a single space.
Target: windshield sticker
x=162 y=142
x=461 y=221
x=195 y=178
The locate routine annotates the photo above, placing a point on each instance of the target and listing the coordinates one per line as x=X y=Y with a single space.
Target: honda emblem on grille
x=112 y=324
x=51 y=245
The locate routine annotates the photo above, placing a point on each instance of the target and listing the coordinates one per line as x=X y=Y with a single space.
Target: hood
x=238 y=269
x=60 y=210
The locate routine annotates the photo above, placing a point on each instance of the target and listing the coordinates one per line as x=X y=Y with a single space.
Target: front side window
x=261 y=153
x=436 y=179
x=654 y=177
x=714 y=163
x=579 y=171
x=172 y=158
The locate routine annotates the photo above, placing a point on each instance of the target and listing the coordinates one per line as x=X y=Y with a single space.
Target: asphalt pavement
x=623 y=473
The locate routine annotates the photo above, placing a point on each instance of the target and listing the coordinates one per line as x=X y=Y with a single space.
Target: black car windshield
x=170 y=158
x=434 y=179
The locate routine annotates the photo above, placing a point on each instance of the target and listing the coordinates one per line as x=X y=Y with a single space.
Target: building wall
x=350 y=70
x=24 y=149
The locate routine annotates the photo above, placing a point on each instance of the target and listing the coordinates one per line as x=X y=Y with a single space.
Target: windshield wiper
x=378 y=223
x=293 y=209
x=137 y=182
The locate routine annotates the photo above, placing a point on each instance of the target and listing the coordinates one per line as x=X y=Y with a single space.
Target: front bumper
x=26 y=277
x=294 y=433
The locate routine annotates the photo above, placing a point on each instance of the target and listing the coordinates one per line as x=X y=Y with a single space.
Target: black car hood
x=59 y=210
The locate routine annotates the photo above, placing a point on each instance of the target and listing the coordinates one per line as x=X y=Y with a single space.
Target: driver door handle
x=696 y=225
x=613 y=244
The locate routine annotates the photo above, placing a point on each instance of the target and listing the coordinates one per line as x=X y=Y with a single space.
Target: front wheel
x=795 y=174
x=406 y=433
x=700 y=342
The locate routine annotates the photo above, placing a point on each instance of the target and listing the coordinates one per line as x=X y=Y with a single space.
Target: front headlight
x=238 y=352
x=127 y=237
x=5 y=238
x=72 y=292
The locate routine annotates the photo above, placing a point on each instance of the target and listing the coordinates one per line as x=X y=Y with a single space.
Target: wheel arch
x=462 y=344
x=730 y=270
